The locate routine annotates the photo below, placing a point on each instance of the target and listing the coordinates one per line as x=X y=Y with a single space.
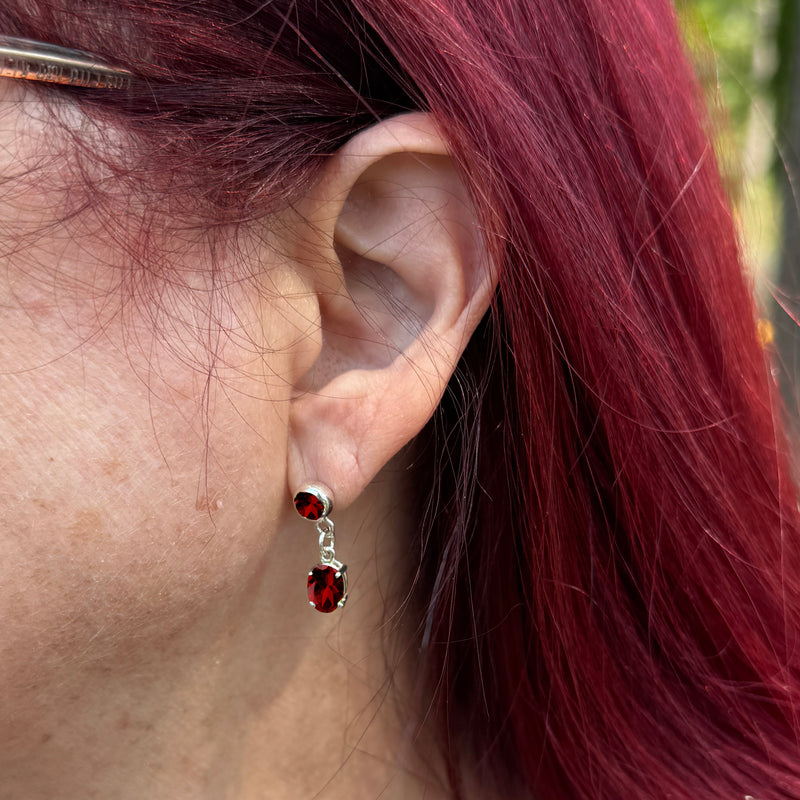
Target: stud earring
x=327 y=581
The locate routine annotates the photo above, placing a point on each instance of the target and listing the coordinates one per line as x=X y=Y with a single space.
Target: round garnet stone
x=327 y=587
x=308 y=505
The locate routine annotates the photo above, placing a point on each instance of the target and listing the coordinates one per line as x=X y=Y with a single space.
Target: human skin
x=155 y=420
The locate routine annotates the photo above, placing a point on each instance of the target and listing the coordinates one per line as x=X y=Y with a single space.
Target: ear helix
x=327 y=581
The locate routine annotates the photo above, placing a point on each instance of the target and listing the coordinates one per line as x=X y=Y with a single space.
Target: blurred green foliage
x=722 y=37
x=786 y=44
x=742 y=52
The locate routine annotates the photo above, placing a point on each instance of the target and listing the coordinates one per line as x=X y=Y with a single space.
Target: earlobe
x=406 y=282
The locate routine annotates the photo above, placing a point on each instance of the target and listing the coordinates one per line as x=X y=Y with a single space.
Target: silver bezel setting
x=341 y=570
x=323 y=494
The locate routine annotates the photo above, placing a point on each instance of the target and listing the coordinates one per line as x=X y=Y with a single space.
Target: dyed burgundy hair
x=609 y=576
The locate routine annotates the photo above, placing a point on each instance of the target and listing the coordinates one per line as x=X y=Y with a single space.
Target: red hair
x=609 y=572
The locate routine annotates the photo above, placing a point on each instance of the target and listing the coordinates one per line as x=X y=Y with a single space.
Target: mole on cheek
x=209 y=502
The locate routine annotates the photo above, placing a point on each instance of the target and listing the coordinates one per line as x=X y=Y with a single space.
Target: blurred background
x=745 y=52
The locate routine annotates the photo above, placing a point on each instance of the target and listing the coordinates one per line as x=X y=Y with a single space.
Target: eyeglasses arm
x=38 y=61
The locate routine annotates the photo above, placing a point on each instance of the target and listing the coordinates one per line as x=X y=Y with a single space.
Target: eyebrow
x=27 y=59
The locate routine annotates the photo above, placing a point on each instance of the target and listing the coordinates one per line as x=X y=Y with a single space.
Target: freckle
x=112 y=469
x=46 y=738
x=124 y=722
x=88 y=525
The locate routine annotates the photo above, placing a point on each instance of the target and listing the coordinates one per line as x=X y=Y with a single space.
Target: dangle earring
x=327 y=582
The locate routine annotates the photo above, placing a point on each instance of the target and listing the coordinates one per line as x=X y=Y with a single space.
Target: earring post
x=30 y=60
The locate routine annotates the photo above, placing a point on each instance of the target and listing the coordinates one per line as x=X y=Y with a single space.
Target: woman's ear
x=395 y=257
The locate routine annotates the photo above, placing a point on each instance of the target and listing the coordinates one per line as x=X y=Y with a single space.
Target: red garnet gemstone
x=308 y=505
x=327 y=587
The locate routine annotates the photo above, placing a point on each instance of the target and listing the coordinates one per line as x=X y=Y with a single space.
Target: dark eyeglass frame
x=26 y=59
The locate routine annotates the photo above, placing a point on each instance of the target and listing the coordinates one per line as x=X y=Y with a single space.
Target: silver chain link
x=325 y=528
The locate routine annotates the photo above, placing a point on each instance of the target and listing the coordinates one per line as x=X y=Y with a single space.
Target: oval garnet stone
x=309 y=505
x=327 y=588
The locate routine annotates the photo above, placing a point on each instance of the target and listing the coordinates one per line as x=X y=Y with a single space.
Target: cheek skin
x=141 y=480
x=128 y=511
